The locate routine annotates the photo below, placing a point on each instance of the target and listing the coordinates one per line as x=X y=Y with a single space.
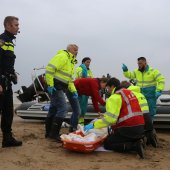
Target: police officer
x=7 y=77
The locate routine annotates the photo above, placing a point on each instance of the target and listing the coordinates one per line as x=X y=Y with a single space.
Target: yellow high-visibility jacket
x=61 y=67
x=147 y=79
x=113 y=106
x=79 y=73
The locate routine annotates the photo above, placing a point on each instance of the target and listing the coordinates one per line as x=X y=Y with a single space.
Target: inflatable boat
x=35 y=104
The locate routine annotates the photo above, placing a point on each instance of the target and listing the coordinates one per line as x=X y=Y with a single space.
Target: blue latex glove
x=51 y=89
x=84 y=70
x=124 y=67
x=88 y=127
x=75 y=95
x=158 y=93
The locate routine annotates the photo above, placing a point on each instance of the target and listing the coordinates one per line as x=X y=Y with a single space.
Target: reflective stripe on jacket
x=8 y=46
x=61 y=67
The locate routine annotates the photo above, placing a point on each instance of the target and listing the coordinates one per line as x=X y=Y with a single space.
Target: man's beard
x=142 y=69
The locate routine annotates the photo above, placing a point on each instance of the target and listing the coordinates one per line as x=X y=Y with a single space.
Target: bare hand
x=1 y=89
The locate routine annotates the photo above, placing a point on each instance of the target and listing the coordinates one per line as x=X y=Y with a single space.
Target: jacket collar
x=71 y=57
x=10 y=35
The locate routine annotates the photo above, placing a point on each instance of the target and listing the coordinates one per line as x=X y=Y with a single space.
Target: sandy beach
x=38 y=153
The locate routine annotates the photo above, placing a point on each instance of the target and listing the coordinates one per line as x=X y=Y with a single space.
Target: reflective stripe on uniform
x=111 y=115
x=62 y=80
x=152 y=81
x=59 y=71
x=130 y=115
x=64 y=74
x=146 y=86
x=127 y=101
x=8 y=46
x=106 y=122
x=49 y=72
x=53 y=66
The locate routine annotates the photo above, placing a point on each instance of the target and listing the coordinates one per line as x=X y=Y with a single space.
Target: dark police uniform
x=7 y=76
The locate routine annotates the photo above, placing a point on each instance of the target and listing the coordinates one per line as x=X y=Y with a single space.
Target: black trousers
x=123 y=139
x=6 y=109
x=148 y=122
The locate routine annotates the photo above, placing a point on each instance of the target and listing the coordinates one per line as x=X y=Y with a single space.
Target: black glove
x=13 y=78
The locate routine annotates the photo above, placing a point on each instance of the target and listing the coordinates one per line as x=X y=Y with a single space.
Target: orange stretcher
x=84 y=147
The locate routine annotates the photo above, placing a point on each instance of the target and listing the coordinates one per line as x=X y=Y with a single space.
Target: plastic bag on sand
x=75 y=137
x=90 y=136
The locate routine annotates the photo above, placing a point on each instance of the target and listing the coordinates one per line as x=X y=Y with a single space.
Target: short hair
x=104 y=79
x=125 y=84
x=113 y=82
x=71 y=46
x=9 y=19
x=85 y=59
x=142 y=58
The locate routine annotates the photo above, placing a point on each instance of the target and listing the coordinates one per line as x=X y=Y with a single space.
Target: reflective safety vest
x=130 y=112
x=61 y=68
x=141 y=98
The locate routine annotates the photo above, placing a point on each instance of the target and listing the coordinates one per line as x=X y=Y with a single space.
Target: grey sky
x=111 y=32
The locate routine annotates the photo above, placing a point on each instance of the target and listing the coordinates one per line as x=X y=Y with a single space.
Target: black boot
x=137 y=146
x=55 y=129
x=140 y=148
x=9 y=141
x=152 y=138
x=48 y=125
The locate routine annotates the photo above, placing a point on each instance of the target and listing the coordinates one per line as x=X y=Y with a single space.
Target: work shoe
x=55 y=129
x=152 y=139
x=10 y=141
x=48 y=125
x=81 y=121
x=140 y=148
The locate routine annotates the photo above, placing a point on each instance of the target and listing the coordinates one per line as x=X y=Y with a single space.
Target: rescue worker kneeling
x=124 y=116
x=150 y=133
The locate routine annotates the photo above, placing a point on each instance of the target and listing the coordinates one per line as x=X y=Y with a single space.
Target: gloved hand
x=14 y=78
x=158 y=93
x=84 y=70
x=75 y=95
x=51 y=89
x=88 y=127
x=124 y=67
